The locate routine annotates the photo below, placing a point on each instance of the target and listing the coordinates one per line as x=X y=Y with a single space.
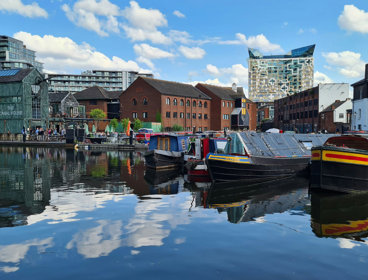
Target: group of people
x=42 y=134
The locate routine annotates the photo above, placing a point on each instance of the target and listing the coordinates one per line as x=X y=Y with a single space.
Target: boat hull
x=163 y=160
x=339 y=169
x=225 y=168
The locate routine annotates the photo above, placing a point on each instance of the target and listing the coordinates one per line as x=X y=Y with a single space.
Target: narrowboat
x=166 y=151
x=339 y=215
x=195 y=158
x=341 y=164
x=250 y=155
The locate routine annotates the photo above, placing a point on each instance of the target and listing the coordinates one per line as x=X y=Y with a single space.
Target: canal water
x=67 y=214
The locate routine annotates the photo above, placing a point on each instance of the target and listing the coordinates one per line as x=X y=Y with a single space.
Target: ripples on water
x=96 y=215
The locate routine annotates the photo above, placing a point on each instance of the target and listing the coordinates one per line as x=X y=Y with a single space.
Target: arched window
x=181 y=102
x=188 y=103
x=175 y=102
x=167 y=101
x=194 y=103
x=200 y=104
x=134 y=101
x=205 y=104
x=223 y=103
x=145 y=101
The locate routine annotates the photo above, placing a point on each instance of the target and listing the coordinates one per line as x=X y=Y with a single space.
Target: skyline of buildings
x=272 y=77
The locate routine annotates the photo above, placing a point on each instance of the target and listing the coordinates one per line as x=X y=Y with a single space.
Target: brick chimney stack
x=366 y=71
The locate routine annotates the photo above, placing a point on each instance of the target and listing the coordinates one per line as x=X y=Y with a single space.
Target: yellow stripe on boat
x=228 y=158
x=345 y=157
x=316 y=155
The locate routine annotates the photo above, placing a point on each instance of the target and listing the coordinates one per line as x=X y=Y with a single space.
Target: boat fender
x=76 y=147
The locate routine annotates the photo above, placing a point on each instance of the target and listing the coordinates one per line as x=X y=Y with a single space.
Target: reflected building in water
x=24 y=185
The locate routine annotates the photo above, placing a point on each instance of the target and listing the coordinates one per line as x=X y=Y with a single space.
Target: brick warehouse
x=177 y=103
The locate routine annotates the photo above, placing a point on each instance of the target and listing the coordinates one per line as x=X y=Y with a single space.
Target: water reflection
x=339 y=215
x=244 y=203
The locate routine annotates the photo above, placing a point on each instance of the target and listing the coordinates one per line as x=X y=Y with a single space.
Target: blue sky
x=189 y=41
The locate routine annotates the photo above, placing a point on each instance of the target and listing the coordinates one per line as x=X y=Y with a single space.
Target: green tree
x=97 y=115
x=177 y=127
x=137 y=124
x=125 y=122
x=119 y=128
x=114 y=123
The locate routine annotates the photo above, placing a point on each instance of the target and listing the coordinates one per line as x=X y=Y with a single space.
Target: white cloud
x=62 y=54
x=237 y=73
x=348 y=63
x=98 y=16
x=17 y=6
x=180 y=36
x=146 y=53
x=353 y=19
x=259 y=42
x=212 y=69
x=310 y=30
x=320 y=78
x=143 y=24
x=192 y=53
x=178 y=14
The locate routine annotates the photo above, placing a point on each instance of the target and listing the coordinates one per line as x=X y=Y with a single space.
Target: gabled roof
x=334 y=106
x=14 y=75
x=174 y=88
x=360 y=82
x=225 y=93
x=56 y=97
x=97 y=93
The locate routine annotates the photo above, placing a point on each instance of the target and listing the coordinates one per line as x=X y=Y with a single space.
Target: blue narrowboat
x=166 y=151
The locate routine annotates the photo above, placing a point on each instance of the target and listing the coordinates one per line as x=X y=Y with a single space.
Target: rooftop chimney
x=234 y=88
x=366 y=71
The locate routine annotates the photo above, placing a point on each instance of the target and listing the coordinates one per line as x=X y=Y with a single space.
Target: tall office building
x=276 y=76
x=14 y=54
x=109 y=80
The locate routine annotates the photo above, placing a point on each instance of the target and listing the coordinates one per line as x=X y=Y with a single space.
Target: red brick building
x=99 y=98
x=176 y=103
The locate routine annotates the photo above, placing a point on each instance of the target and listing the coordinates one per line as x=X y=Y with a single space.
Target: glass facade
x=276 y=76
x=14 y=54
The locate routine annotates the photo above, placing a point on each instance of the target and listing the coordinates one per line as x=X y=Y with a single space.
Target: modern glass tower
x=14 y=54
x=275 y=76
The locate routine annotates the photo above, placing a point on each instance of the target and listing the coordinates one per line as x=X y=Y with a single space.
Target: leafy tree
x=114 y=123
x=119 y=128
x=137 y=124
x=177 y=127
x=97 y=115
x=125 y=122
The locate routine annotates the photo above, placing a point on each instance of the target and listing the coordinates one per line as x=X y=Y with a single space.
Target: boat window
x=307 y=144
x=220 y=146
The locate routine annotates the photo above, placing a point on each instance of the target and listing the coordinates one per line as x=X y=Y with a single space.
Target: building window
x=135 y=115
x=134 y=101
x=228 y=104
x=200 y=104
x=359 y=114
x=223 y=103
x=188 y=115
x=194 y=116
x=181 y=102
x=205 y=117
x=205 y=128
x=194 y=103
x=168 y=115
x=188 y=103
x=145 y=115
x=231 y=104
x=341 y=115
x=205 y=104
x=93 y=102
x=200 y=116
x=181 y=115
x=188 y=128
x=145 y=101
x=167 y=101
x=175 y=102
x=175 y=115
x=36 y=108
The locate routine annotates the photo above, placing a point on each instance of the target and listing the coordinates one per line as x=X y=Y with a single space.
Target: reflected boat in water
x=246 y=202
x=339 y=215
x=164 y=182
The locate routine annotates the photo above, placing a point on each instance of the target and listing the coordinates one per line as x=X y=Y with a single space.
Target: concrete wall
x=359 y=119
x=347 y=105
